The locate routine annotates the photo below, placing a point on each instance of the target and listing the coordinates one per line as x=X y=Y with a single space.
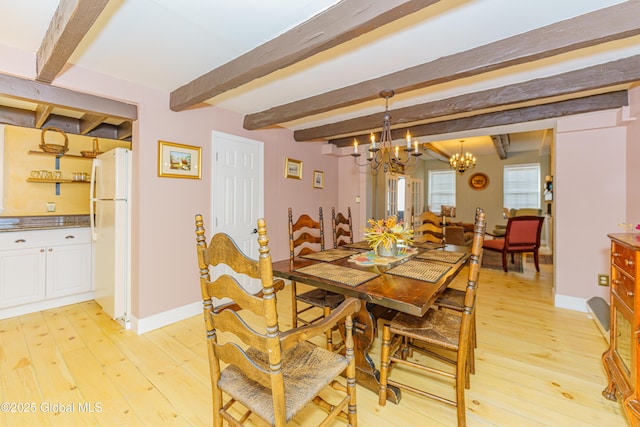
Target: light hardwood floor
x=536 y=366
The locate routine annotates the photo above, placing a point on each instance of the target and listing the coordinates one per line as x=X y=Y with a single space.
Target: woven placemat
x=358 y=245
x=336 y=273
x=443 y=256
x=330 y=255
x=421 y=270
x=427 y=245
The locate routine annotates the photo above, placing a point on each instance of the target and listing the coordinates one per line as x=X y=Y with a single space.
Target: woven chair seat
x=307 y=369
x=321 y=298
x=452 y=299
x=435 y=327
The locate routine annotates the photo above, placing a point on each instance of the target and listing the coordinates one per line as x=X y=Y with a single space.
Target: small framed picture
x=178 y=160
x=293 y=169
x=318 y=179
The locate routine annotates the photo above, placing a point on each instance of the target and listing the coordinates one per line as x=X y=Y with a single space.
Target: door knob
x=255 y=231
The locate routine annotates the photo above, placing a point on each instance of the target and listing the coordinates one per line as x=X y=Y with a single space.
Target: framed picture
x=318 y=179
x=293 y=169
x=478 y=181
x=178 y=160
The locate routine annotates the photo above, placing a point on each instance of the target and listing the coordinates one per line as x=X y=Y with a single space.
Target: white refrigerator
x=110 y=213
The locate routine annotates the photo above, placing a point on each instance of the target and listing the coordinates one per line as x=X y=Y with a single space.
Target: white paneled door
x=238 y=189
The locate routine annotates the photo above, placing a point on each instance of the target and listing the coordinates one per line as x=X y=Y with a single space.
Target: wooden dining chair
x=342 y=227
x=305 y=237
x=453 y=299
x=521 y=236
x=434 y=335
x=272 y=374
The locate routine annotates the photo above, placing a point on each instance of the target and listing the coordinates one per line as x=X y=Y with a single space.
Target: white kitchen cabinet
x=43 y=269
x=22 y=276
x=68 y=269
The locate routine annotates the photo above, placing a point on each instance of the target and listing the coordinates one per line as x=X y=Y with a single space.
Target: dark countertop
x=27 y=223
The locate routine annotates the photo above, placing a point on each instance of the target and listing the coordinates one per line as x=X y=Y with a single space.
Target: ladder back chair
x=305 y=237
x=432 y=336
x=342 y=227
x=271 y=374
x=453 y=299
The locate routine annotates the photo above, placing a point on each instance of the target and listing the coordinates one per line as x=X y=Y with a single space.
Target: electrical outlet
x=603 y=279
x=51 y=206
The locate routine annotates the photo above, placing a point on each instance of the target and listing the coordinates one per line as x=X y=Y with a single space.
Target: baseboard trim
x=141 y=326
x=571 y=303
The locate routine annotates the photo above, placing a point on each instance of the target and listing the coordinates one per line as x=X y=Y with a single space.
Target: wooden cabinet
x=622 y=357
x=39 y=268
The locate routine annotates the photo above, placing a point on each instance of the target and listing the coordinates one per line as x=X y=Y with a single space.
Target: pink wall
x=633 y=155
x=589 y=185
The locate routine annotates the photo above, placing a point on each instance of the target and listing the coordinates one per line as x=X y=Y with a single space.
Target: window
x=522 y=186
x=442 y=189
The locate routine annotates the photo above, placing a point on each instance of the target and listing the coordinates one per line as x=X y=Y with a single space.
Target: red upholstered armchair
x=522 y=235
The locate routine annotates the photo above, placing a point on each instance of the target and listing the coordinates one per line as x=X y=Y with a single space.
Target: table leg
x=367 y=375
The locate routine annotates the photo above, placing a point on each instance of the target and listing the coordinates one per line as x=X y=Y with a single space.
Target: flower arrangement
x=387 y=232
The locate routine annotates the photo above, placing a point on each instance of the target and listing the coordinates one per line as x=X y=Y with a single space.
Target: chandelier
x=383 y=155
x=462 y=161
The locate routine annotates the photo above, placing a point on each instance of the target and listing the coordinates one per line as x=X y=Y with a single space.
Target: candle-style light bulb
x=355 y=146
x=408 y=140
x=396 y=151
x=373 y=141
x=415 y=146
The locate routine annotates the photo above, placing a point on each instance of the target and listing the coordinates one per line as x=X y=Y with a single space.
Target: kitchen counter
x=26 y=223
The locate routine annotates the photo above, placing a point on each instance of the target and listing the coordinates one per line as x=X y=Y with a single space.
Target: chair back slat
x=223 y=250
x=228 y=287
x=229 y=320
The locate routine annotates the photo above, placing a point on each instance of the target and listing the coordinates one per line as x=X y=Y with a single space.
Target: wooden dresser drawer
x=624 y=257
x=624 y=287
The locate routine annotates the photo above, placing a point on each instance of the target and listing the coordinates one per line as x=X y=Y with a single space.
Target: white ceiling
x=165 y=44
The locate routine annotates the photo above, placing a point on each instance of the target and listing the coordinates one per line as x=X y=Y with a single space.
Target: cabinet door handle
x=70 y=237
x=629 y=293
x=41 y=250
x=629 y=262
x=20 y=241
x=50 y=249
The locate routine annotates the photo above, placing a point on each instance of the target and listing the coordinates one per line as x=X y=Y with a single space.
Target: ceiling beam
x=608 y=24
x=28 y=90
x=70 y=23
x=42 y=114
x=613 y=73
x=501 y=144
x=125 y=130
x=552 y=110
x=89 y=122
x=438 y=153
x=346 y=20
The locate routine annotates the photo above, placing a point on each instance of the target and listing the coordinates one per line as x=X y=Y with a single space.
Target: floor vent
x=599 y=310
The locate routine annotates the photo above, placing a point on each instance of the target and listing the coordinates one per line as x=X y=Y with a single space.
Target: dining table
x=408 y=283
